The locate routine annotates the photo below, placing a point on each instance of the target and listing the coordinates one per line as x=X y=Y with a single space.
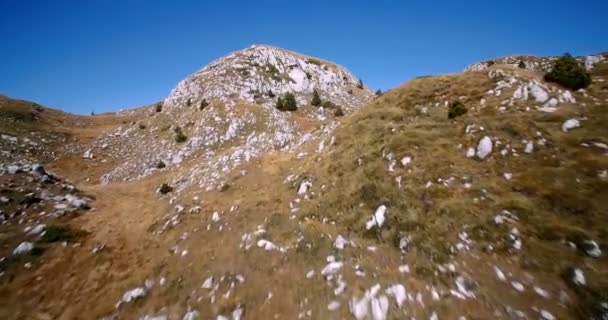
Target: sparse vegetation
x=142 y=125
x=338 y=112
x=159 y=107
x=203 y=104
x=569 y=73
x=316 y=99
x=315 y=61
x=56 y=233
x=521 y=64
x=360 y=84
x=179 y=135
x=165 y=188
x=287 y=103
x=271 y=94
x=456 y=109
x=160 y=164
x=189 y=102
x=378 y=92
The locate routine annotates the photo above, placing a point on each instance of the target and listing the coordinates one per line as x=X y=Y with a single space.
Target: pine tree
x=316 y=100
x=289 y=102
x=568 y=72
x=279 y=104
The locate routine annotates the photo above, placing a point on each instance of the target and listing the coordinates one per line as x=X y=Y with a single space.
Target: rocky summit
x=274 y=185
x=261 y=72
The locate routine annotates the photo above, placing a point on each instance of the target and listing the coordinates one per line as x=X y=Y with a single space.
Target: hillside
x=390 y=211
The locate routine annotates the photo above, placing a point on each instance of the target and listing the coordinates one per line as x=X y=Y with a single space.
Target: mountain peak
x=259 y=72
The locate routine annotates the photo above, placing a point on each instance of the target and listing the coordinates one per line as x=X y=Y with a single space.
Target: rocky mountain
x=479 y=195
x=533 y=63
x=261 y=72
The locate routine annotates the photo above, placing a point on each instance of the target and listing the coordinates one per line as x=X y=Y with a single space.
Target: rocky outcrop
x=260 y=72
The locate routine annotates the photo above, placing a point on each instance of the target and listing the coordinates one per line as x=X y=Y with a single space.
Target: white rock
x=546 y=315
x=37 y=229
x=552 y=103
x=191 y=315
x=304 y=186
x=579 y=277
x=470 y=152
x=398 y=291
x=340 y=242
x=592 y=249
x=508 y=175
x=538 y=92
x=88 y=154
x=134 y=294
x=333 y=305
x=377 y=219
x=570 y=124
x=332 y=268
x=484 y=148
x=208 y=283
x=529 y=147
x=405 y=161
x=23 y=248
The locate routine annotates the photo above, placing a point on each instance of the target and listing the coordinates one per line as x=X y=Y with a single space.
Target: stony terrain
x=392 y=211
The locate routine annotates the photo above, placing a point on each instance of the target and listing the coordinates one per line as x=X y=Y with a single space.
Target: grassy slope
x=555 y=191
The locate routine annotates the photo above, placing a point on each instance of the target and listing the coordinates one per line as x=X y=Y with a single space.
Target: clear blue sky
x=106 y=55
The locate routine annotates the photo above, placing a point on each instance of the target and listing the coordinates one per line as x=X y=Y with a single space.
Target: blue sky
x=104 y=55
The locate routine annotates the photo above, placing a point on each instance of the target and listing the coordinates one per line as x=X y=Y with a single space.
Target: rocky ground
x=392 y=211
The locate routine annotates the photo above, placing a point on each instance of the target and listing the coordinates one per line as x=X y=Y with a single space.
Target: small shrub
x=378 y=92
x=490 y=63
x=271 y=94
x=456 y=109
x=308 y=76
x=316 y=100
x=521 y=64
x=159 y=107
x=160 y=165
x=189 y=102
x=287 y=103
x=203 y=104
x=360 y=84
x=568 y=72
x=142 y=125
x=179 y=135
x=165 y=188
x=57 y=233
x=350 y=91
x=328 y=104
x=314 y=61
x=338 y=112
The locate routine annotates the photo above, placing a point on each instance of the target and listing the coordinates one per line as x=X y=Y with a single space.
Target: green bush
x=287 y=103
x=521 y=64
x=57 y=233
x=159 y=107
x=456 y=109
x=338 y=112
x=165 y=188
x=179 y=135
x=569 y=73
x=316 y=100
